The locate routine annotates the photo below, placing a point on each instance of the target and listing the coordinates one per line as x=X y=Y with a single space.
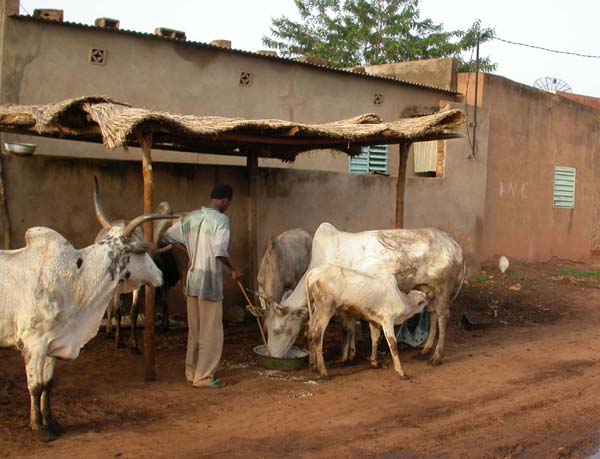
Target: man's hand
x=235 y=274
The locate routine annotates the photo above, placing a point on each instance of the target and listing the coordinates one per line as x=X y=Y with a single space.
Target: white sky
x=563 y=25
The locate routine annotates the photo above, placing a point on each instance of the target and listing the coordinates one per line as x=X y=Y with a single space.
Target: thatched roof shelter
x=115 y=124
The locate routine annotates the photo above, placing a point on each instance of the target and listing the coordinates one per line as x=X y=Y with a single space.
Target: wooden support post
x=4 y=217
x=252 y=170
x=145 y=142
x=474 y=151
x=400 y=185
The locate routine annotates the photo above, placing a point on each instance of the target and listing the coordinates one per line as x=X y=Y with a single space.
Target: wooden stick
x=244 y=293
x=262 y=333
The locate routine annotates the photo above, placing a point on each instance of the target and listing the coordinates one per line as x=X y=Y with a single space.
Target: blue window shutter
x=564 y=187
x=360 y=164
x=371 y=159
x=378 y=158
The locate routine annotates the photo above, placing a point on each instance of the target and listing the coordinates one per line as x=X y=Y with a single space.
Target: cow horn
x=164 y=249
x=161 y=228
x=100 y=215
x=137 y=221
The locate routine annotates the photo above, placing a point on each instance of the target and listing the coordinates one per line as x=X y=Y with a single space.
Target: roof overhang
x=102 y=120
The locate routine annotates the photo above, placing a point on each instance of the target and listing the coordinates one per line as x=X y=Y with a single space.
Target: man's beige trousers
x=205 y=340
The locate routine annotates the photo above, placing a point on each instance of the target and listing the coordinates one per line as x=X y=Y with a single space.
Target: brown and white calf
x=332 y=289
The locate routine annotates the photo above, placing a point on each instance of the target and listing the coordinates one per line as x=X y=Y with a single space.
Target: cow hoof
x=134 y=351
x=435 y=362
x=54 y=427
x=324 y=377
x=346 y=362
x=421 y=356
x=109 y=335
x=375 y=365
x=45 y=435
x=120 y=345
x=404 y=377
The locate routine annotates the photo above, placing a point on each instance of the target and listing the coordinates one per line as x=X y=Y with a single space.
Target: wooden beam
x=56 y=133
x=252 y=171
x=229 y=144
x=145 y=142
x=17 y=119
x=401 y=183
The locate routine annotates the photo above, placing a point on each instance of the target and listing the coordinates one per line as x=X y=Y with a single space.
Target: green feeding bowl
x=295 y=359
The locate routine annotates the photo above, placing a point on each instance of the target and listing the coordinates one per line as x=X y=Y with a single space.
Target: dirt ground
x=522 y=383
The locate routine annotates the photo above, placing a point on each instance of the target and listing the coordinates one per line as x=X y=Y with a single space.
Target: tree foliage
x=366 y=32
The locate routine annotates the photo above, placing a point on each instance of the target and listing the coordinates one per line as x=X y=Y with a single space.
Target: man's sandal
x=215 y=384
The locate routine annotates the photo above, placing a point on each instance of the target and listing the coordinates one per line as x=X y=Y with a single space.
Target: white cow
x=331 y=290
x=417 y=258
x=282 y=266
x=171 y=262
x=54 y=297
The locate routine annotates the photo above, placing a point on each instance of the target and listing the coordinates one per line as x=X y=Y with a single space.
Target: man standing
x=204 y=235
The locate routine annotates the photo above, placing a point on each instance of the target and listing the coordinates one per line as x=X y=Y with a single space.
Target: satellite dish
x=552 y=84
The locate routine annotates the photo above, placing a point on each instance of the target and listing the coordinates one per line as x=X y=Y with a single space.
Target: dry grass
x=115 y=124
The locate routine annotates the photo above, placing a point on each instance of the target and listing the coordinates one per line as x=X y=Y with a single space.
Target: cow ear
x=272 y=243
x=286 y=295
x=430 y=295
x=263 y=303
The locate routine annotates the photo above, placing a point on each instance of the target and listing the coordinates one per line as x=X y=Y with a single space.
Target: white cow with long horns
x=53 y=297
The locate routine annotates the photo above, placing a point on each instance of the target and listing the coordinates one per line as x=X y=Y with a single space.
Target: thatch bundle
x=115 y=124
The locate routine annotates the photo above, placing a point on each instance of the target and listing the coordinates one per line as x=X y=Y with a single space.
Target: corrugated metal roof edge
x=235 y=51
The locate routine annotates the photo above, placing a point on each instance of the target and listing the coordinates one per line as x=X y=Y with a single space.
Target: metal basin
x=294 y=359
x=20 y=148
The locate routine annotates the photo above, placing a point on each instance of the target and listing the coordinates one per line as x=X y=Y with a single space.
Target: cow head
x=283 y=325
x=270 y=306
x=130 y=260
x=419 y=300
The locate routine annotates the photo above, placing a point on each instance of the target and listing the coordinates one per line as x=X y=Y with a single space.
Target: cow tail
x=308 y=303
x=461 y=282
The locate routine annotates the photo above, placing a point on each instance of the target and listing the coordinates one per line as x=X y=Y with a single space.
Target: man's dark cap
x=221 y=191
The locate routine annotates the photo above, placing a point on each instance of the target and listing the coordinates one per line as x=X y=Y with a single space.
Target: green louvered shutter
x=564 y=187
x=371 y=159
x=360 y=164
